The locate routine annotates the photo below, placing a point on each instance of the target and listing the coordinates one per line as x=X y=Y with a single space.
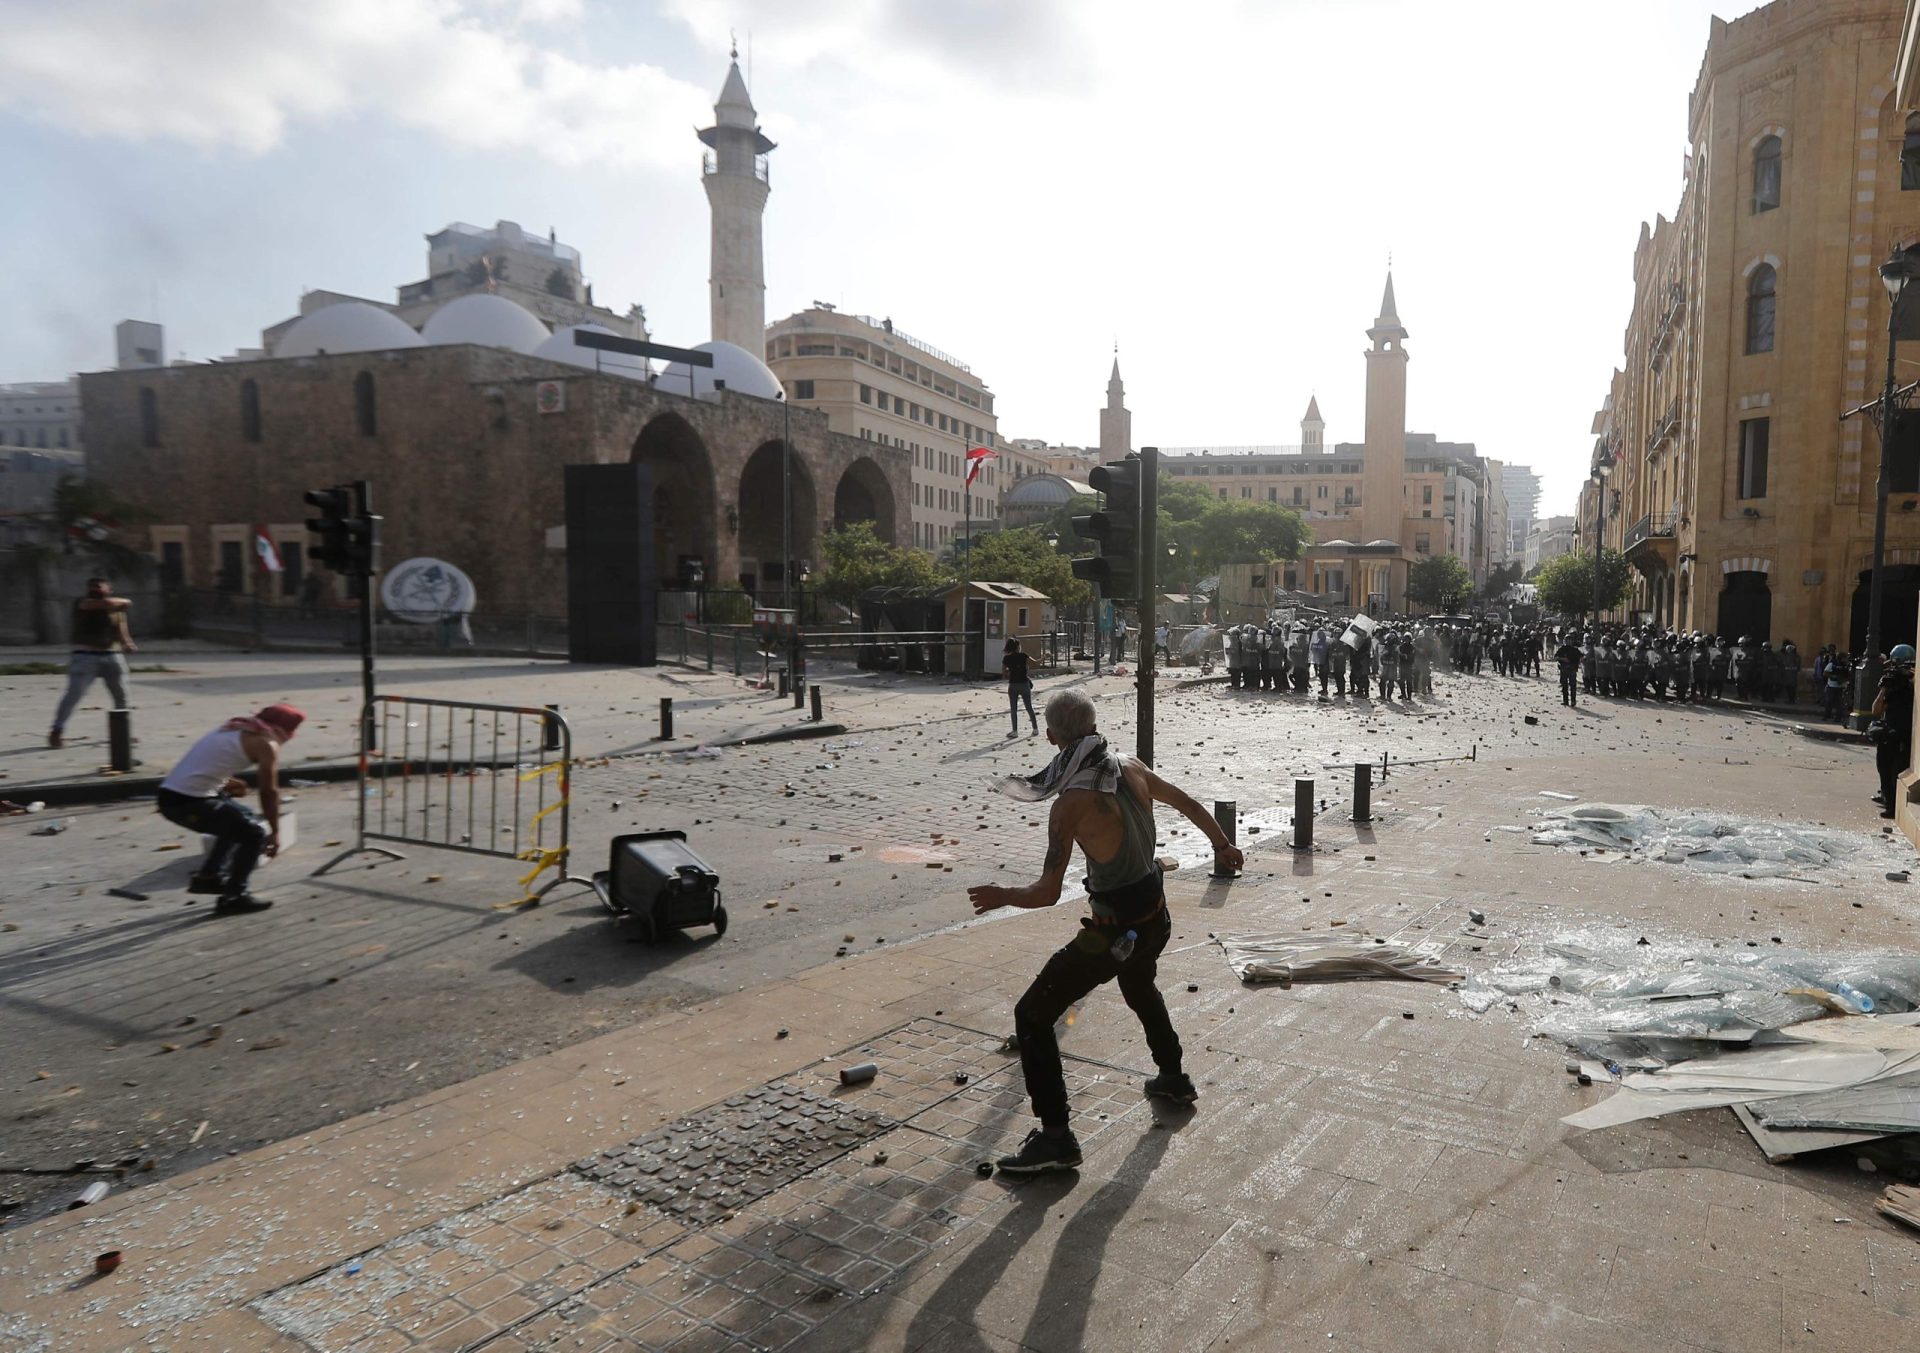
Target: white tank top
x=208 y=764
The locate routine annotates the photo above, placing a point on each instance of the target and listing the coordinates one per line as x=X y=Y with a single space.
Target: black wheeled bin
x=655 y=878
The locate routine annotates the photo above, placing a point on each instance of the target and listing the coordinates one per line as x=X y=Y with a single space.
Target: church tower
x=735 y=173
x=1313 y=429
x=1116 y=420
x=1384 y=465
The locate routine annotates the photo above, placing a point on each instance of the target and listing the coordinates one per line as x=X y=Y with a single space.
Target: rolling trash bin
x=658 y=881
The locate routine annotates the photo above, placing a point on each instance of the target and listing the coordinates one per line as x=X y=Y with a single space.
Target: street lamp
x=1894 y=274
x=1602 y=468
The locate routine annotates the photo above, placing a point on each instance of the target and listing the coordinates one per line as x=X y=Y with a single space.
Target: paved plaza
x=390 y=1114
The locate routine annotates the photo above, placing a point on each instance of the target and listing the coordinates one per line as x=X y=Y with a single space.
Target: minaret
x=1382 y=509
x=1313 y=429
x=736 y=178
x=1116 y=421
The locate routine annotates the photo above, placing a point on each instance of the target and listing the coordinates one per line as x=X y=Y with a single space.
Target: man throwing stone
x=99 y=637
x=1105 y=806
x=200 y=794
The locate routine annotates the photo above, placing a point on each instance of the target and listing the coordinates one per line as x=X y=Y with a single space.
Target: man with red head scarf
x=201 y=794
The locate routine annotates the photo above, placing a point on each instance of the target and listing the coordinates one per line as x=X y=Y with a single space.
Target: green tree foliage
x=1023 y=556
x=1566 y=582
x=1240 y=530
x=559 y=284
x=1500 y=577
x=854 y=559
x=1439 y=580
x=1182 y=500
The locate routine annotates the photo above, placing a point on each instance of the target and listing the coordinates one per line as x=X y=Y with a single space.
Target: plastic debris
x=1351 y=957
x=1706 y=843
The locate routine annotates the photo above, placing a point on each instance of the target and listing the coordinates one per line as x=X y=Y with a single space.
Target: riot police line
x=1396 y=659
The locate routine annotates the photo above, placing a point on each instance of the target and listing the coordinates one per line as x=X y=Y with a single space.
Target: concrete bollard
x=1362 y=791
x=813 y=694
x=666 y=718
x=120 y=739
x=1303 y=812
x=1226 y=812
x=799 y=693
x=550 y=731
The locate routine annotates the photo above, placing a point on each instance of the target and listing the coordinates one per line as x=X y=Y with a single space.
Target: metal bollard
x=1226 y=812
x=120 y=739
x=1303 y=812
x=799 y=693
x=813 y=693
x=1362 y=791
x=736 y=652
x=550 y=731
x=666 y=718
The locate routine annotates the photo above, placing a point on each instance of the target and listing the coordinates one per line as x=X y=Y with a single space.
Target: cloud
x=236 y=75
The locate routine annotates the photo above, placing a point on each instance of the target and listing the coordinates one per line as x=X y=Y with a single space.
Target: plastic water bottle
x=1861 y=1002
x=1122 y=949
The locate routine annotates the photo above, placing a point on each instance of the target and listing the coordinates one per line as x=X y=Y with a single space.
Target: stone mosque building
x=464 y=399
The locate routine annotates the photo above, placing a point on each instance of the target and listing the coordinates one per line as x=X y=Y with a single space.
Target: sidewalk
x=1369 y=1166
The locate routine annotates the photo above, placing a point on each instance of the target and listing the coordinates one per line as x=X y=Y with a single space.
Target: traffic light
x=363 y=543
x=1115 y=529
x=336 y=507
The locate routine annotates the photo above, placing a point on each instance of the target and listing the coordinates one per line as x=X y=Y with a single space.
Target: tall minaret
x=1382 y=509
x=1116 y=421
x=736 y=179
x=1313 y=429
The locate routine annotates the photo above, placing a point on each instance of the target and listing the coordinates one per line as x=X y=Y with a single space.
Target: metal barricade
x=483 y=779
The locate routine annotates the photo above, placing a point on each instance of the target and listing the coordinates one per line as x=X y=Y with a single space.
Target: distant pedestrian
x=1160 y=638
x=99 y=637
x=201 y=794
x=1013 y=664
x=1892 y=727
x=1119 y=639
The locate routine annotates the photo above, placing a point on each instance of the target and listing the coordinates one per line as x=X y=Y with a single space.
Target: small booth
x=981 y=617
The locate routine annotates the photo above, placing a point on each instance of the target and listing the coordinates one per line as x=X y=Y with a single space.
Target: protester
x=1013 y=664
x=200 y=793
x=1892 y=729
x=99 y=636
x=1568 y=656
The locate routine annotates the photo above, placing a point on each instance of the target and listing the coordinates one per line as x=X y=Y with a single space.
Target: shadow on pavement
x=601 y=951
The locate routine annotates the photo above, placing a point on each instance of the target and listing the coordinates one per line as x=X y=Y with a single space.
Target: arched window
x=249 y=411
x=1910 y=155
x=149 y=417
x=365 y=413
x=1760 y=298
x=1766 y=174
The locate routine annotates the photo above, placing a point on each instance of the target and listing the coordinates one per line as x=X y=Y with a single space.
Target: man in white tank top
x=200 y=794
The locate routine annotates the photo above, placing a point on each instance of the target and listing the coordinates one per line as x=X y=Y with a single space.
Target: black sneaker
x=207 y=883
x=1177 y=1088
x=235 y=904
x=1040 y=1153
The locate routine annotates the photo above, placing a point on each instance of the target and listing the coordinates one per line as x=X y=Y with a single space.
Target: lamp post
x=1894 y=274
x=1602 y=468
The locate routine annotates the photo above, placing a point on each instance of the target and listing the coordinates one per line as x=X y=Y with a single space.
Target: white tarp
x=1743 y=1076
x=1290 y=958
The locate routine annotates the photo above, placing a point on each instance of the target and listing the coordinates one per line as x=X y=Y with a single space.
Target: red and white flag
x=264 y=547
x=977 y=458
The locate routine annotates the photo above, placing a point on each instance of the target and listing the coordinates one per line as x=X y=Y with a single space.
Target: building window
x=1760 y=302
x=1910 y=155
x=1766 y=174
x=1273 y=494
x=803 y=389
x=1754 y=436
x=1246 y=491
x=249 y=411
x=63 y=439
x=149 y=417
x=866 y=394
x=1299 y=496
x=1426 y=494
x=233 y=577
x=1346 y=493
x=40 y=438
x=1422 y=543
x=1319 y=490
x=1223 y=493
x=366 y=414
x=883 y=402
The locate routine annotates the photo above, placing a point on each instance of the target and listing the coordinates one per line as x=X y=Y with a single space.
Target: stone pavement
x=1370 y=1167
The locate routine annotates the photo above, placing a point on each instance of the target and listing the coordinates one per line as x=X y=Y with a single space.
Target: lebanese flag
x=264 y=547
x=977 y=458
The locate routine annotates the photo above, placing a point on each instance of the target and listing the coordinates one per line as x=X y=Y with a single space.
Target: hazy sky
x=1216 y=185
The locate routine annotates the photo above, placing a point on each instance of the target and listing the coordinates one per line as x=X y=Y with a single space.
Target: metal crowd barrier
x=483 y=779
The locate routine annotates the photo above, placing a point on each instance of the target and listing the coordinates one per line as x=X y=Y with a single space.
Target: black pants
x=238 y=833
x=1890 y=758
x=1073 y=971
x=1569 y=685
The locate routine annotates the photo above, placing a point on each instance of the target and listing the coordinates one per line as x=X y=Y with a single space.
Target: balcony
x=1663 y=331
x=709 y=167
x=1649 y=543
x=1665 y=428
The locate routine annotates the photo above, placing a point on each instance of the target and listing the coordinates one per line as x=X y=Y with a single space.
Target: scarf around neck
x=1085 y=764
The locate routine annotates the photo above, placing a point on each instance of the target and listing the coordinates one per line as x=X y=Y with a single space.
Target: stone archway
x=683 y=499
x=863 y=494
x=761 y=499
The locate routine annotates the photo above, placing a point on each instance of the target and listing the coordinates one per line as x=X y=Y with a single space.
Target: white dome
x=740 y=369
x=488 y=320
x=560 y=347
x=346 y=326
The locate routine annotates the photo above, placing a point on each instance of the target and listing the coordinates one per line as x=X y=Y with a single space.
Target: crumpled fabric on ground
x=1290 y=958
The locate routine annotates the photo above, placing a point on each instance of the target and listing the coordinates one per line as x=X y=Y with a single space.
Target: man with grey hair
x=1104 y=805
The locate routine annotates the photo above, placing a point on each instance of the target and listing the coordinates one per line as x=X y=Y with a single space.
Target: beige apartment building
x=1743 y=502
x=877 y=383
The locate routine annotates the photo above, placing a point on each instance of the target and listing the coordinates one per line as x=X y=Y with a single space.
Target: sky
x=1216 y=187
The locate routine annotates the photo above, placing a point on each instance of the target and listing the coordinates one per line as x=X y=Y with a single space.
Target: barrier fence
x=482 y=779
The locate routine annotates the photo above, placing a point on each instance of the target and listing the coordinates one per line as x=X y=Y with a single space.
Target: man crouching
x=1105 y=806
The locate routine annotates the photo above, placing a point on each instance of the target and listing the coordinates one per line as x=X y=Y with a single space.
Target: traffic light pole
x=363 y=500
x=1148 y=574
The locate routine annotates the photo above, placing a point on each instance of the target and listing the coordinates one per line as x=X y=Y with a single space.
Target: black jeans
x=1016 y=692
x=238 y=833
x=1891 y=758
x=1073 y=971
x=1569 y=684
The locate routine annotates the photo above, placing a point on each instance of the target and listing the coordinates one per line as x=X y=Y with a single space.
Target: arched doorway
x=761 y=498
x=1899 y=598
x=683 y=499
x=1746 y=606
x=863 y=495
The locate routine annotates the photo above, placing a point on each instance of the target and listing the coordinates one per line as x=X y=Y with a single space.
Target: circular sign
x=426 y=591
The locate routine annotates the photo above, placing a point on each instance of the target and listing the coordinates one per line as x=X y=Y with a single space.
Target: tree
x=1500 y=577
x=1439 y=580
x=1182 y=500
x=1566 y=582
x=559 y=284
x=1023 y=556
x=1240 y=530
x=854 y=559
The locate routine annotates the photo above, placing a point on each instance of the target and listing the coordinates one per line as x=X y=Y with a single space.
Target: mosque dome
x=488 y=320
x=740 y=369
x=346 y=326
x=560 y=347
